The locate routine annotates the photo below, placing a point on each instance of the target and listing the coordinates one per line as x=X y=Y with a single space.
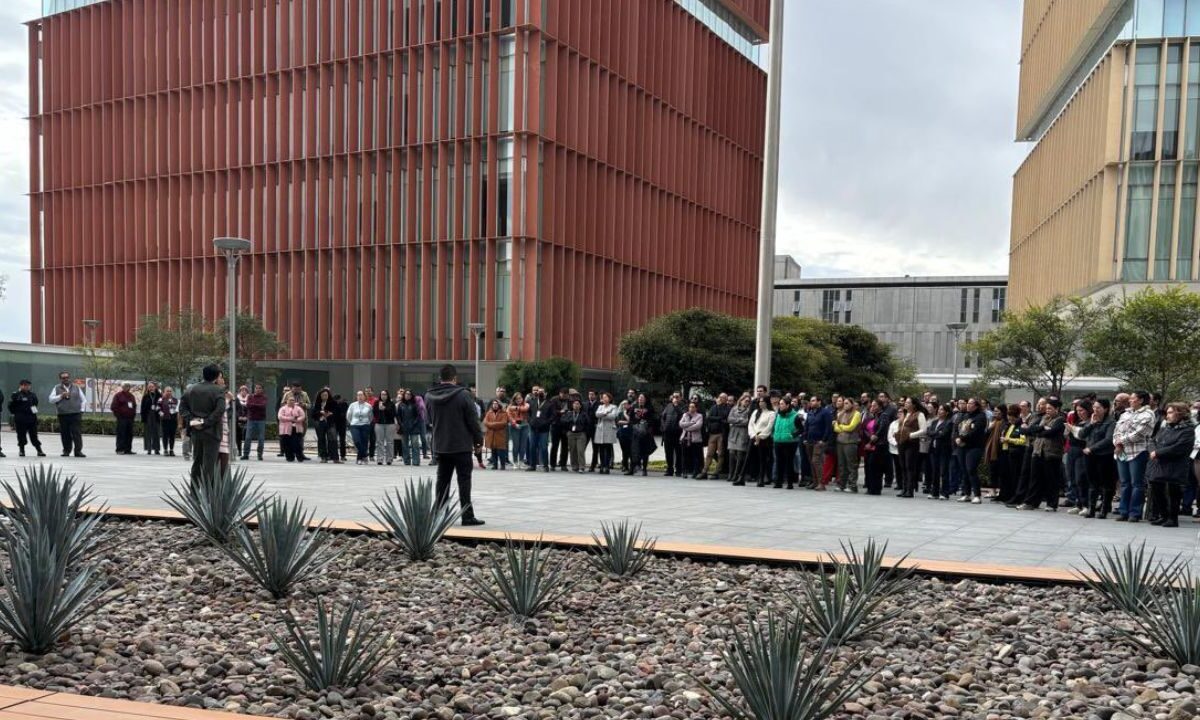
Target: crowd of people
x=1132 y=450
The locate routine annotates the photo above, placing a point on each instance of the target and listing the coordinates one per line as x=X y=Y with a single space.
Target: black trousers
x=888 y=468
x=1166 y=496
x=455 y=464
x=169 y=429
x=764 y=460
x=693 y=458
x=911 y=453
x=606 y=455
x=673 y=451
x=205 y=448
x=785 y=456
x=70 y=429
x=340 y=430
x=1102 y=483
x=1046 y=481
x=1024 y=476
x=27 y=432
x=1012 y=472
x=151 y=433
x=879 y=460
x=124 y=435
x=558 y=447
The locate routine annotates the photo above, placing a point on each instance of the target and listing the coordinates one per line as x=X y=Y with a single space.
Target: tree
x=552 y=373
x=1149 y=341
x=101 y=362
x=255 y=344
x=1040 y=348
x=171 y=347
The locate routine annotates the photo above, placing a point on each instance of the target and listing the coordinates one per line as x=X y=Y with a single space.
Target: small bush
x=282 y=550
x=623 y=551
x=779 y=678
x=51 y=582
x=45 y=500
x=845 y=605
x=415 y=522
x=1169 y=621
x=523 y=580
x=218 y=504
x=1129 y=578
x=346 y=651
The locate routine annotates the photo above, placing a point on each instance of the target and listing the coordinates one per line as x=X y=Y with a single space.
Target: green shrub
x=346 y=651
x=220 y=503
x=846 y=604
x=414 y=520
x=282 y=550
x=1169 y=622
x=623 y=551
x=1129 y=578
x=51 y=582
x=779 y=678
x=524 y=580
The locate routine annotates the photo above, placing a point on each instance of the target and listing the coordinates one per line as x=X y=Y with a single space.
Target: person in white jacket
x=761 y=428
x=358 y=416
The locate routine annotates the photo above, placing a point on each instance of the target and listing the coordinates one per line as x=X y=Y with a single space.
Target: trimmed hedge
x=97 y=424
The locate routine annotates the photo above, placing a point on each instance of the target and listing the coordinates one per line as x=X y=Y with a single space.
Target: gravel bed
x=193 y=631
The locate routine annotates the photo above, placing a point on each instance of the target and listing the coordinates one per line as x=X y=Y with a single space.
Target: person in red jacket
x=256 y=421
x=124 y=407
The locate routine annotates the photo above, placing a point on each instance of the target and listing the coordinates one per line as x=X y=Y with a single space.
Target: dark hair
x=1104 y=403
x=1014 y=410
x=1142 y=395
x=1054 y=403
x=1086 y=406
x=448 y=373
x=211 y=373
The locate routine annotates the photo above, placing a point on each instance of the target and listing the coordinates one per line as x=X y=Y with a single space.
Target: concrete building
x=909 y=313
x=558 y=171
x=1106 y=200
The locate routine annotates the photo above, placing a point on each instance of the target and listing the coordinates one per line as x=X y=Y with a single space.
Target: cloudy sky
x=897 y=150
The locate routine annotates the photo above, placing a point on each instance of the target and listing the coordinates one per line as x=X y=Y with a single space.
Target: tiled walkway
x=710 y=512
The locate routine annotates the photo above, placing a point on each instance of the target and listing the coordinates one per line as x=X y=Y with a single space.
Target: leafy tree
x=1149 y=341
x=101 y=362
x=1040 y=348
x=255 y=344
x=171 y=347
x=551 y=373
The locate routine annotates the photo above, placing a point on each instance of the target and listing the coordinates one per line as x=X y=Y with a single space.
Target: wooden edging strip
x=941 y=568
x=40 y=705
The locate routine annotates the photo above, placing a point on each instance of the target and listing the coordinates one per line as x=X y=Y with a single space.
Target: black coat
x=1098 y=437
x=456 y=425
x=1172 y=446
x=21 y=405
x=205 y=402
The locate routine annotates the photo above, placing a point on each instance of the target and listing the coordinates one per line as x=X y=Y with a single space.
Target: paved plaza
x=710 y=512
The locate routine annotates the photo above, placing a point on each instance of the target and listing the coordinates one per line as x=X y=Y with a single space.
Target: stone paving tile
x=670 y=508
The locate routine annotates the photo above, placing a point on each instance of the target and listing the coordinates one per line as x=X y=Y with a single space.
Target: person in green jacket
x=784 y=436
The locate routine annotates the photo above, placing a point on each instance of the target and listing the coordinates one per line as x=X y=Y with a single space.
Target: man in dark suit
x=201 y=409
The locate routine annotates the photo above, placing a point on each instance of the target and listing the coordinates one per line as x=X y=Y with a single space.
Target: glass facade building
x=717 y=17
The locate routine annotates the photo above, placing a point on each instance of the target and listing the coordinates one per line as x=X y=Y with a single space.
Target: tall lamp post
x=477 y=329
x=956 y=328
x=232 y=249
x=770 y=200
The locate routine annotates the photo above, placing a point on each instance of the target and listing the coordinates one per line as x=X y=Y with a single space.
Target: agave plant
x=1130 y=578
x=846 y=604
x=219 y=503
x=1170 y=621
x=346 y=651
x=522 y=580
x=623 y=551
x=779 y=678
x=47 y=501
x=415 y=521
x=282 y=550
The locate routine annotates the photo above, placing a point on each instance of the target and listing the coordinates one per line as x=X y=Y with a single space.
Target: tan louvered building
x=1110 y=96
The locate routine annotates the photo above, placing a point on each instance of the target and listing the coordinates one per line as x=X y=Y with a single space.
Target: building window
x=967 y=337
x=846 y=305
x=830 y=300
x=975 y=306
x=1145 y=98
x=1137 y=223
x=1193 y=98
x=962 y=314
x=1166 y=220
x=1187 y=220
x=508 y=86
x=1171 y=102
x=1173 y=17
x=999 y=297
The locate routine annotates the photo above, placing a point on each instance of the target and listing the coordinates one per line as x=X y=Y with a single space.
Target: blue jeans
x=361 y=435
x=412 y=449
x=255 y=429
x=519 y=437
x=1133 y=484
x=539 y=449
x=955 y=476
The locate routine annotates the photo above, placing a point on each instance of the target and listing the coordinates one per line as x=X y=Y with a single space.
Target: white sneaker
x=965 y=498
x=976 y=501
x=1073 y=511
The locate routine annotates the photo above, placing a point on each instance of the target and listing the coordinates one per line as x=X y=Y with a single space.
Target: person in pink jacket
x=291 y=430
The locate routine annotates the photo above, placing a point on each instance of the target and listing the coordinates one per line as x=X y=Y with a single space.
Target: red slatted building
x=560 y=170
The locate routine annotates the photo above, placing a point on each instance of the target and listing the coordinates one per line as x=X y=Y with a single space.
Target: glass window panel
x=1187 y=222
x=507 y=89
x=1137 y=224
x=1191 y=22
x=1145 y=115
x=1149 y=20
x=1171 y=102
x=1166 y=221
x=1173 y=11
x=1193 y=99
x=503 y=191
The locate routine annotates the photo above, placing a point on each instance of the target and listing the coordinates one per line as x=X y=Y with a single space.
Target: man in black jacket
x=457 y=435
x=887 y=416
x=558 y=430
x=23 y=407
x=151 y=430
x=202 y=408
x=671 y=413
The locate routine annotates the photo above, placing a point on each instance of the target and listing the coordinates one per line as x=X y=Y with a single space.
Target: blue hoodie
x=819 y=427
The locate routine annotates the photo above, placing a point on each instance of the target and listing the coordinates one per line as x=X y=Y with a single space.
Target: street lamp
x=89 y=331
x=477 y=329
x=956 y=328
x=770 y=201
x=232 y=249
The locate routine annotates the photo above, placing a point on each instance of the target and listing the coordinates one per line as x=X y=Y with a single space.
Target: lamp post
x=476 y=329
x=232 y=249
x=956 y=328
x=770 y=201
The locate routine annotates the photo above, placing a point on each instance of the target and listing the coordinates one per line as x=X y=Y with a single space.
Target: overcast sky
x=897 y=152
